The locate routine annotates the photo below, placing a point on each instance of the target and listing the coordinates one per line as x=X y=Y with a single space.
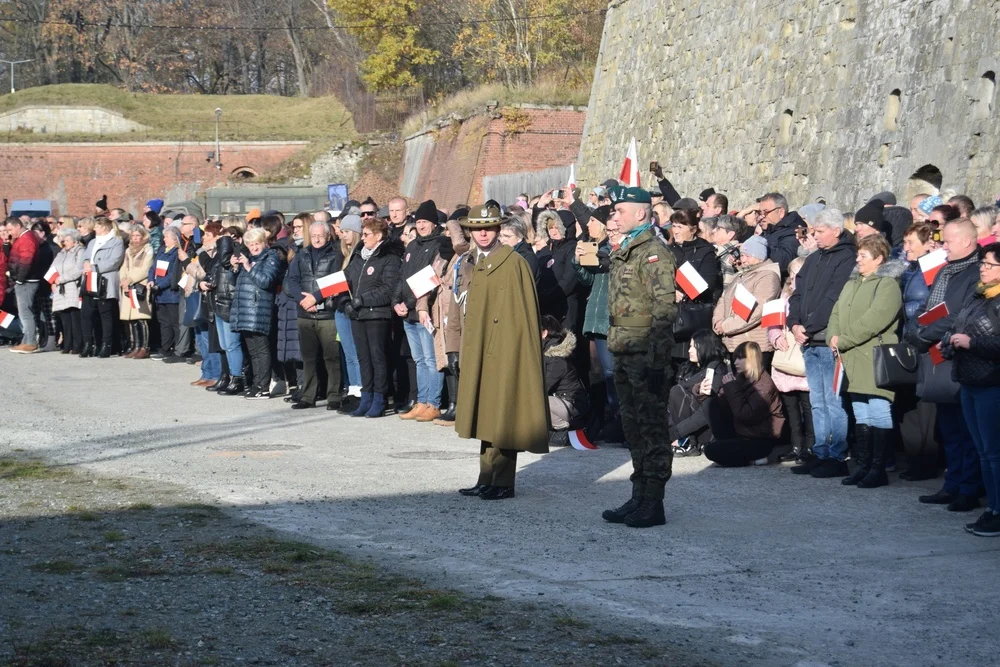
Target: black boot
x=881 y=443
x=648 y=514
x=349 y=404
x=449 y=414
x=223 y=381
x=618 y=514
x=234 y=388
x=862 y=454
x=88 y=350
x=105 y=351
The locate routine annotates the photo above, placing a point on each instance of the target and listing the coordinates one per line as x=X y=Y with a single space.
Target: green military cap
x=636 y=196
x=616 y=193
x=483 y=216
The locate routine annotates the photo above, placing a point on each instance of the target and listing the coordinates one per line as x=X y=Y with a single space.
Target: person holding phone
x=698 y=379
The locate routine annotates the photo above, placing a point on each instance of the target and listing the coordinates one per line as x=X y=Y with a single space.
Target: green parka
x=866 y=315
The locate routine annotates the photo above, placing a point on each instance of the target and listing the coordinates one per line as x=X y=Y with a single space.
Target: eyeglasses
x=763 y=214
x=366 y=214
x=988 y=265
x=366 y=234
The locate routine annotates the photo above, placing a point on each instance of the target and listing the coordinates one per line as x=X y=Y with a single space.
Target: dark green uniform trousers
x=496 y=466
x=644 y=421
x=318 y=344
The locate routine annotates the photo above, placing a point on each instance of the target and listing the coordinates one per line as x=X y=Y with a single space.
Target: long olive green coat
x=501 y=386
x=868 y=309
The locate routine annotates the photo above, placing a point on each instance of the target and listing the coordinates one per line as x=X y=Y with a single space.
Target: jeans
x=979 y=404
x=211 y=362
x=962 y=474
x=349 y=349
x=230 y=341
x=26 y=311
x=608 y=369
x=829 y=416
x=429 y=379
x=872 y=411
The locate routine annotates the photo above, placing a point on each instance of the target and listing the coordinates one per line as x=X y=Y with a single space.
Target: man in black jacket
x=954 y=285
x=317 y=328
x=778 y=226
x=817 y=288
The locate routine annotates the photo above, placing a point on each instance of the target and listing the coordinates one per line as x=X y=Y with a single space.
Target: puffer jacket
x=222 y=278
x=915 y=292
x=375 y=281
x=156 y=239
x=134 y=269
x=979 y=366
x=23 y=262
x=561 y=378
x=253 y=305
x=764 y=282
x=287 y=307
x=165 y=287
x=595 y=317
x=66 y=290
x=311 y=264
x=419 y=254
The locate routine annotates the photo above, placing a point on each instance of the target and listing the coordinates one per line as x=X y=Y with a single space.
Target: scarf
x=100 y=242
x=366 y=253
x=990 y=290
x=634 y=233
x=940 y=285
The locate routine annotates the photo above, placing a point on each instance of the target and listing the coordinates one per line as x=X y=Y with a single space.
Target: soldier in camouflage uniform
x=642 y=308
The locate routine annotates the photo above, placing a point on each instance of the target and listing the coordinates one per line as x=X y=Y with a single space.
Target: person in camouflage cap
x=642 y=310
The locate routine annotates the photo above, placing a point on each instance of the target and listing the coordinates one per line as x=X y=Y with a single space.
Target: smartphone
x=710 y=375
x=557 y=194
x=589 y=258
x=654 y=166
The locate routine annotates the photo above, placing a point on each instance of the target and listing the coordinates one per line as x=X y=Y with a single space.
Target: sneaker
x=24 y=348
x=174 y=360
x=158 y=356
x=988 y=528
x=257 y=395
x=985 y=516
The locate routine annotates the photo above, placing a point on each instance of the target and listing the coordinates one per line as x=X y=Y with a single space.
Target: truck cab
x=33 y=208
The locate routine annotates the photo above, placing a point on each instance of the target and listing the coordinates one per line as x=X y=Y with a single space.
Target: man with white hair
x=817 y=288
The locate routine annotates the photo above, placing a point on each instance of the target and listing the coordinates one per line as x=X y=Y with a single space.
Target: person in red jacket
x=26 y=273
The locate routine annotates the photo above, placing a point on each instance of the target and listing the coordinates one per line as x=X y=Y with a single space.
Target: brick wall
x=75 y=175
x=450 y=171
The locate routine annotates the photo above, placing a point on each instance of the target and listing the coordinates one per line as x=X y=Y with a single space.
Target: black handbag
x=934 y=383
x=140 y=291
x=692 y=317
x=895 y=365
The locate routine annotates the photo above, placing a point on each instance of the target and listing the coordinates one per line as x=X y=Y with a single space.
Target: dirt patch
x=109 y=571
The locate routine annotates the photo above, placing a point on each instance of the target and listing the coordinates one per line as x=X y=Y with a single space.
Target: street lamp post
x=218 y=147
x=12 y=63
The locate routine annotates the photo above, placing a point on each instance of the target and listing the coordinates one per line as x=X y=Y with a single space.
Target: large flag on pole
x=630 y=168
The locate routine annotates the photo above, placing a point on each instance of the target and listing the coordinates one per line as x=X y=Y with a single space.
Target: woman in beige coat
x=760 y=277
x=134 y=274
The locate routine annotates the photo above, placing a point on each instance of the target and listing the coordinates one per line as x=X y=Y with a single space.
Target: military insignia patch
x=653 y=258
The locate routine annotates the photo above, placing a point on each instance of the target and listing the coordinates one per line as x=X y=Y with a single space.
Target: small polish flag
x=423 y=281
x=630 y=168
x=933 y=315
x=937 y=356
x=134 y=299
x=838 y=376
x=774 y=313
x=90 y=282
x=690 y=281
x=162 y=266
x=6 y=319
x=571 y=183
x=52 y=275
x=743 y=302
x=580 y=441
x=184 y=281
x=931 y=263
x=333 y=284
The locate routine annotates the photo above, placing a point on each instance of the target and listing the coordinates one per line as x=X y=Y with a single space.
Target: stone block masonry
x=75 y=175
x=832 y=98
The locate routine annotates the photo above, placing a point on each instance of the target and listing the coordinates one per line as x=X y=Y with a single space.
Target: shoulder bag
x=790 y=361
x=895 y=365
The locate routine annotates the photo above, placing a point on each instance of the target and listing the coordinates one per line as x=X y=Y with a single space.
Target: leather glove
x=655 y=379
x=453 y=363
x=349 y=310
x=357 y=303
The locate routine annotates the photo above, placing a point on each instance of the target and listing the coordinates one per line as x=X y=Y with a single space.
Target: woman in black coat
x=373 y=276
x=688 y=247
x=220 y=283
x=687 y=404
x=569 y=400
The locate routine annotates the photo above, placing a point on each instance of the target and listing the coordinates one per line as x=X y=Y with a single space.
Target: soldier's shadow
x=565 y=470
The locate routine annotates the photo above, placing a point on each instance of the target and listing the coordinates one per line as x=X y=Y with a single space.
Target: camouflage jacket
x=641 y=301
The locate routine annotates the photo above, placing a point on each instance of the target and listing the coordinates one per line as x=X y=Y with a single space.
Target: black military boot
x=862 y=455
x=618 y=514
x=648 y=514
x=880 y=444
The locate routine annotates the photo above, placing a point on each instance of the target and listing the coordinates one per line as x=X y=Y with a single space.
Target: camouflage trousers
x=496 y=466
x=644 y=421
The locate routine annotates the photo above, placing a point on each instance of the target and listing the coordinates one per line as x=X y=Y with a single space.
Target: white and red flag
x=774 y=313
x=162 y=266
x=6 y=319
x=571 y=183
x=933 y=315
x=423 y=281
x=51 y=276
x=838 y=375
x=690 y=280
x=90 y=282
x=743 y=302
x=931 y=263
x=579 y=440
x=333 y=284
x=134 y=299
x=630 y=168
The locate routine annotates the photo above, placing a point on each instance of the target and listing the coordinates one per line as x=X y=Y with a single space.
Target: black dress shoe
x=349 y=404
x=963 y=504
x=498 y=493
x=476 y=490
x=302 y=405
x=942 y=497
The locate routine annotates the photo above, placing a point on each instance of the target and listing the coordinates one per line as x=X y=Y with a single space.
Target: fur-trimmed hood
x=560 y=345
x=894 y=269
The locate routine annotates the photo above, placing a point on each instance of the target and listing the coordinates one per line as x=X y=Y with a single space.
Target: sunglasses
x=367 y=214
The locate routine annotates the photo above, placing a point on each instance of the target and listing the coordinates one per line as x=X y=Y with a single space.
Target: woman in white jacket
x=68 y=267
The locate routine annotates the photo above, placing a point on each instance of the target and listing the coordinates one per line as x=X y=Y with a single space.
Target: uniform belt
x=631 y=321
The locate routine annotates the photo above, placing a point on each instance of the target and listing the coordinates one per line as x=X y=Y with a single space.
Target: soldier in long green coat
x=501 y=387
x=642 y=309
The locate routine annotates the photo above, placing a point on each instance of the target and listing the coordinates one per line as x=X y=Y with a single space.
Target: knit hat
x=887 y=198
x=899 y=220
x=706 y=193
x=253 y=214
x=351 y=223
x=155 y=205
x=102 y=203
x=755 y=246
x=611 y=183
x=601 y=214
x=427 y=211
x=927 y=205
x=870 y=214
x=601 y=191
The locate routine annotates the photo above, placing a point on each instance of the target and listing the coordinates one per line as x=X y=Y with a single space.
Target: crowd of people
x=673 y=325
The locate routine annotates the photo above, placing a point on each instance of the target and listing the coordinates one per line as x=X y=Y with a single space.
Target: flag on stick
x=931 y=263
x=6 y=319
x=51 y=276
x=333 y=284
x=774 y=313
x=630 y=168
x=743 y=302
x=690 y=280
x=162 y=266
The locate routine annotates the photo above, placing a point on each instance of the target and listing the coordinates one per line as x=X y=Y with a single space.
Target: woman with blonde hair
x=984 y=218
x=350 y=237
x=133 y=302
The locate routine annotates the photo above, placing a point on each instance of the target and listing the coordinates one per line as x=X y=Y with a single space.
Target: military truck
x=288 y=199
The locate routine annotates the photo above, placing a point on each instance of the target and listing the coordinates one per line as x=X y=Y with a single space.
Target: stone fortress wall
x=832 y=98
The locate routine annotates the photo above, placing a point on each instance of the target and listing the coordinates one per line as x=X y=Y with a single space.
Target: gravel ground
x=755 y=566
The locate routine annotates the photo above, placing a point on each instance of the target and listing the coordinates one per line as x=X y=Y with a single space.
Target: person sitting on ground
x=746 y=419
x=569 y=400
x=687 y=405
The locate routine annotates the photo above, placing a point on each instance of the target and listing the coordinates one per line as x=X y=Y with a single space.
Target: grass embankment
x=192 y=117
